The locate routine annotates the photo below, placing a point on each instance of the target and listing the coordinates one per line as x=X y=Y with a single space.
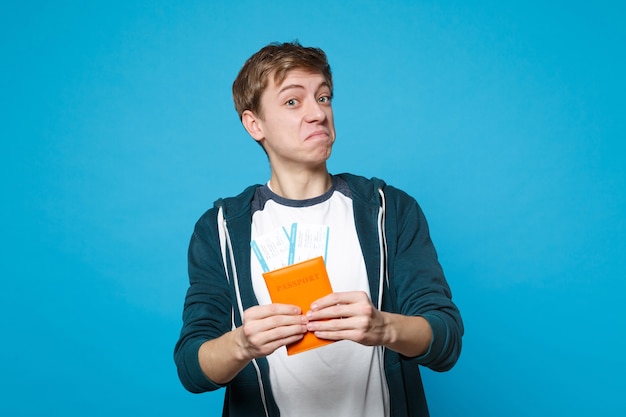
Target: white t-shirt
x=343 y=378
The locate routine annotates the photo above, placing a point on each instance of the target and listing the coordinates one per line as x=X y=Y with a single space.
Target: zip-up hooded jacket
x=404 y=276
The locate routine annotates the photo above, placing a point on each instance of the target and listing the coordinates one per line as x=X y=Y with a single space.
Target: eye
x=324 y=99
x=292 y=102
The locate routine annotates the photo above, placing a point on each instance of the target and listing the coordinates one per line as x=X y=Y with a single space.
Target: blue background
x=504 y=119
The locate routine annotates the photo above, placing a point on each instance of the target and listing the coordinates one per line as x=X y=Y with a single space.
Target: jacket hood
x=238 y=205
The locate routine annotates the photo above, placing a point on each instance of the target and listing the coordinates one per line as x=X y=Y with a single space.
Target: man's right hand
x=268 y=327
x=265 y=328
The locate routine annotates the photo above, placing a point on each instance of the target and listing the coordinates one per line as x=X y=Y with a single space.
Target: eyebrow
x=300 y=86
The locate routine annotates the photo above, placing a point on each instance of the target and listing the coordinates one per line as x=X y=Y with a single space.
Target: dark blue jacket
x=403 y=271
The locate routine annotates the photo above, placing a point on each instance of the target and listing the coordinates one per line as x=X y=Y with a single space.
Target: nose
x=314 y=111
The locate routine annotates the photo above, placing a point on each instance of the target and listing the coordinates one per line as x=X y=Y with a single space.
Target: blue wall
x=505 y=120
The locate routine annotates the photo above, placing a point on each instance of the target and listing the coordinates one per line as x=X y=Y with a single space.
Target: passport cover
x=300 y=284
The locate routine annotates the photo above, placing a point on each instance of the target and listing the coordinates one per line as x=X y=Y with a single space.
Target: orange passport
x=300 y=284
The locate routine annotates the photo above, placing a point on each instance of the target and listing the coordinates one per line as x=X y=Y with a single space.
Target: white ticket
x=286 y=246
x=272 y=249
x=311 y=241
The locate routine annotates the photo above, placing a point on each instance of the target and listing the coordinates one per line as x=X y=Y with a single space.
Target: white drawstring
x=224 y=243
x=384 y=276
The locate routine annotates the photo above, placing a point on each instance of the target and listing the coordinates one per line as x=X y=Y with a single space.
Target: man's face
x=295 y=124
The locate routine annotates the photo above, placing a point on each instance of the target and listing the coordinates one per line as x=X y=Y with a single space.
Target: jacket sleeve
x=420 y=286
x=207 y=308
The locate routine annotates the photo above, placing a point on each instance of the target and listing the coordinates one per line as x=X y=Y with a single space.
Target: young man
x=391 y=309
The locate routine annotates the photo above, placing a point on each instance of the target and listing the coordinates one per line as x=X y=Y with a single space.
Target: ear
x=252 y=123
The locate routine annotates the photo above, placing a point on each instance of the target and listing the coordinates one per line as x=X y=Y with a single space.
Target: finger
x=343 y=330
x=338 y=335
x=359 y=323
x=269 y=310
x=339 y=298
x=285 y=341
x=359 y=309
x=268 y=341
x=255 y=326
x=331 y=325
x=276 y=334
x=334 y=311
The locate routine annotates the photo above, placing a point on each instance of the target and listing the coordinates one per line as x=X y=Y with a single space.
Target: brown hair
x=275 y=59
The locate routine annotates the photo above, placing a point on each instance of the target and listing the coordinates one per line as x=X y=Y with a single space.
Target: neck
x=301 y=185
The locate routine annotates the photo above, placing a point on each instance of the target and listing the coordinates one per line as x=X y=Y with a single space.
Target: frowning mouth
x=318 y=134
